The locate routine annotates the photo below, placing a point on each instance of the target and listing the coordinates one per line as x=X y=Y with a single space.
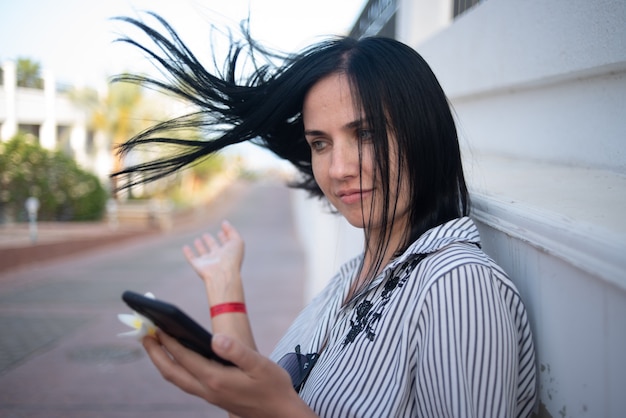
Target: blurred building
x=539 y=92
x=52 y=117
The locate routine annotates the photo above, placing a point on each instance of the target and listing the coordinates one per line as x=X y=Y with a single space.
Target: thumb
x=236 y=352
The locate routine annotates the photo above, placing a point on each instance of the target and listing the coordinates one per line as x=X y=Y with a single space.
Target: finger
x=210 y=242
x=199 y=245
x=229 y=231
x=200 y=369
x=233 y=350
x=222 y=237
x=170 y=369
x=187 y=358
x=229 y=234
x=189 y=254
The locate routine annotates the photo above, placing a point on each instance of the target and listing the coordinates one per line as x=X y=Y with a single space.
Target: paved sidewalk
x=59 y=354
x=56 y=240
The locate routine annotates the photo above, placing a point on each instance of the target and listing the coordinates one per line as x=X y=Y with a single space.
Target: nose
x=344 y=160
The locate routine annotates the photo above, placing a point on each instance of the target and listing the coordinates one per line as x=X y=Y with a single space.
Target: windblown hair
x=395 y=91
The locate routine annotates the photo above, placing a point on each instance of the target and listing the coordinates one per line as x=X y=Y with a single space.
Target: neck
x=376 y=257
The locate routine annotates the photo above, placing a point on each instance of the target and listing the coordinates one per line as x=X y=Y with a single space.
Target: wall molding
x=587 y=247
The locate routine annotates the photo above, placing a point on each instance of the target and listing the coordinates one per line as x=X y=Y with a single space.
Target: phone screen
x=175 y=323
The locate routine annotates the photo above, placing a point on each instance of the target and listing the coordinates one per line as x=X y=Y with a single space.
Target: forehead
x=331 y=97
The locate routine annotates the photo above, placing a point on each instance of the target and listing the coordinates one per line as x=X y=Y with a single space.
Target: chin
x=356 y=222
x=353 y=216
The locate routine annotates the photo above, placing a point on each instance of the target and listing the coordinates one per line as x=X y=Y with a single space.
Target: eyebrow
x=351 y=125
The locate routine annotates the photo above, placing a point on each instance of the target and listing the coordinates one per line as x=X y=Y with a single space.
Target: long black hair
x=393 y=86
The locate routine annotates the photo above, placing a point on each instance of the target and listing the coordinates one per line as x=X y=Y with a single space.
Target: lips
x=352 y=196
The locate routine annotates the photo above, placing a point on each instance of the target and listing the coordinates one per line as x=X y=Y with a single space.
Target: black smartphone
x=174 y=323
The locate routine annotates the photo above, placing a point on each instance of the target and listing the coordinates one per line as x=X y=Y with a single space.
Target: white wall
x=418 y=19
x=551 y=75
x=539 y=89
x=8 y=122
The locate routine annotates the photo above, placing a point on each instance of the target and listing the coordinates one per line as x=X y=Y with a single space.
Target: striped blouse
x=441 y=332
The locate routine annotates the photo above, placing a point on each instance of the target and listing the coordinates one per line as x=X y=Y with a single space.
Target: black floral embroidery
x=365 y=320
x=360 y=323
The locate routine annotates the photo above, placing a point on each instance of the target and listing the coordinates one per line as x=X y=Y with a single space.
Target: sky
x=75 y=38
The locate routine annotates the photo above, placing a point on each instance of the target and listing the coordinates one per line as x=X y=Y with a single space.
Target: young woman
x=422 y=323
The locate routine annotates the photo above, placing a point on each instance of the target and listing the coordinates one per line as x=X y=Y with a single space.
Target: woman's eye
x=317 y=145
x=365 y=134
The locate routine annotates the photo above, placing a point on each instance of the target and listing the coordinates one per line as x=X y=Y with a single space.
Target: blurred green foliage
x=208 y=167
x=189 y=187
x=65 y=191
x=29 y=73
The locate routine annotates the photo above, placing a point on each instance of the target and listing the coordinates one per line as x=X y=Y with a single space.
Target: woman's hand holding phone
x=255 y=387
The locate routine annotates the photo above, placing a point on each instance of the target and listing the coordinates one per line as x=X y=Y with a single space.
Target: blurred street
x=59 y=353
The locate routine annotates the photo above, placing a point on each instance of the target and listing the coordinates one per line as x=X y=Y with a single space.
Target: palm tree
x=29 y=73
x=120 y=113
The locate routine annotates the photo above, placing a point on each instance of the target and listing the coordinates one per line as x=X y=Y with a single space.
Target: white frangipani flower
x=141 y=325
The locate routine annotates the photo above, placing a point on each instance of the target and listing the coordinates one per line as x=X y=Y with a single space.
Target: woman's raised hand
x=218 y=262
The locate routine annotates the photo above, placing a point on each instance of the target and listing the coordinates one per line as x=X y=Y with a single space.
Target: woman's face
x=334 y=130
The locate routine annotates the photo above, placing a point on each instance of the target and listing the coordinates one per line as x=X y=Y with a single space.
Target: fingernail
x=222 y=341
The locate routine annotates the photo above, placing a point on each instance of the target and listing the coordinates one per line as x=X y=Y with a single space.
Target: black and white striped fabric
x=441 y=332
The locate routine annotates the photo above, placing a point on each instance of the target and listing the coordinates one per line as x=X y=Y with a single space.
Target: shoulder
x=457 y=257
x=459 y=270
x=454 y=245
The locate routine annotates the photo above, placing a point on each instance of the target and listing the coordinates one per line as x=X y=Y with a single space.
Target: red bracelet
x=227 y=308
